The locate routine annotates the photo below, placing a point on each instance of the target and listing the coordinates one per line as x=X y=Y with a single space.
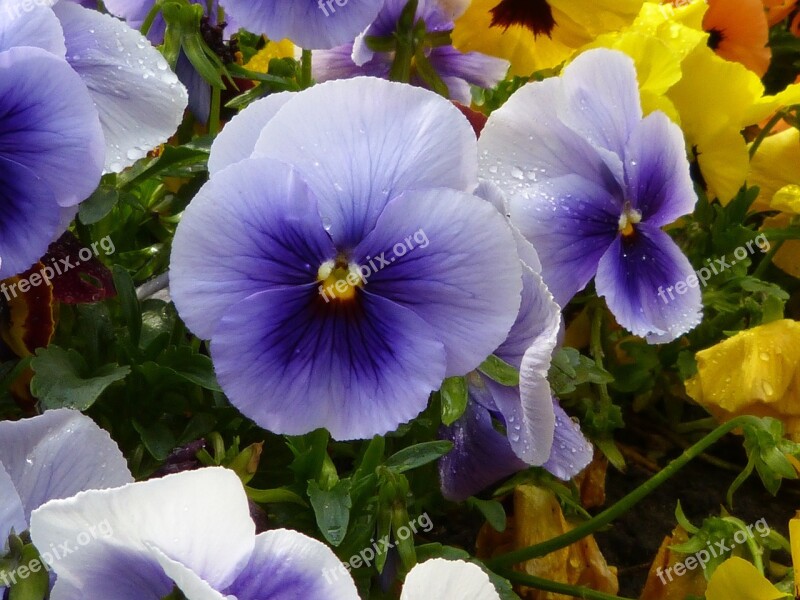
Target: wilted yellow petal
x=662 y=583
x=538 y=517
x=755 y=372
x=740 y=580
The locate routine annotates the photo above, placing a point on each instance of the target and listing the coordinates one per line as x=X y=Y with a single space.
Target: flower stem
x=151 y=16
x=596 y=348
x=622 y=506
x=576 y=591
x=305 y=70
x=216 y=109
x=767 y=129
x=767 y=259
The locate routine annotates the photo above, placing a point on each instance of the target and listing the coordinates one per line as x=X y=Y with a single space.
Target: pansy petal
x=458 y=270
x=172 y=514
x=440 y=579
x=30 y=218
x=361 y=142
x=571 y=451
x=525 y=141
x=659 y=184
x=637 y=278
x=190 y=583
x=238 y=139
x=111 y=571
x=286 y=565
x=310 y=24
x=602 y=98
x=253 y=227
x=139 y=99
x=294 y=363
x=539 y=318
x=12 y=513
x=33 y=84
x=24 y=24
x=481 y=455
x=47 y=457
x=571 y=221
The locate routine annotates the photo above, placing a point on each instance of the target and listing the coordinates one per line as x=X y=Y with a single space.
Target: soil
x=632 y=541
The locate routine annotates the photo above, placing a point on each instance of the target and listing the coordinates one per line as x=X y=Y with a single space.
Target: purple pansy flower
x=458 y=70
x=191 y=530
x=311 y=24
x=591 y=183
x=52 y=456
x=344 y=270
x=537 y=430
x=43 y=176
x=139 y=101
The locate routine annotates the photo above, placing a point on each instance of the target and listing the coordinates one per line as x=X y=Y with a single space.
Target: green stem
x=767 y=259
x=752 y=546
x=151 y=16
x=576 y=591
x=698 y=425
x=305 y=70
x=596 y=348
x=762 y=135
x=216 y=109
x=622 y=506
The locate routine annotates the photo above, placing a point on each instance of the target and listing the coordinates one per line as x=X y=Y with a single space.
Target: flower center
x=339 y=279
x=536 y=15
x=629 y=217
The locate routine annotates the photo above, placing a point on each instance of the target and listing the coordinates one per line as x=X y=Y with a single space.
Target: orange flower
x=778 y=10
x=738 y=32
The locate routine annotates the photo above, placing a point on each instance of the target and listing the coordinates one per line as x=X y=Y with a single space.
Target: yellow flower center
x=339 y=280
x=629 y=218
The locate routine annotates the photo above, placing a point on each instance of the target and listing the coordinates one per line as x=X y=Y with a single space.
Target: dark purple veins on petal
x=536 y=15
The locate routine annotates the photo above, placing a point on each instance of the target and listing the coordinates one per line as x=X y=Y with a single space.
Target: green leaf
x=157 y=438
x=500 y=371
x=492 y=510
x=418 y=455
x=131 y=311
x=454 y=398
x=61 y=379
x=570 y=369
x=332 y=509
x=36 y=584
x=98 y=205
x=274 y=496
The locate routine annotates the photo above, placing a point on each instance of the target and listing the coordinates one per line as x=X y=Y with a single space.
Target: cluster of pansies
x=372 y=259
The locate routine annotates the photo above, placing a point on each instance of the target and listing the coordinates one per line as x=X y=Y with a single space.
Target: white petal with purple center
x=440 y=579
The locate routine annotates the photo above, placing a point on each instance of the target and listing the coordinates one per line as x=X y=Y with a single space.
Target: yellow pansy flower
x=755 y=372
x=739 y=579
x=538 y=34
x=711 y=98
x=260 y=61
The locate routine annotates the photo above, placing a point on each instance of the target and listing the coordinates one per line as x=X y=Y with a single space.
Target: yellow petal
x=787 y=199
x=740 y=580
x=756 y=372
x=766 y=105
x=794 y=540
x=260 y=61
x=724 y=161
x=775 y=165
x=788 y=257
